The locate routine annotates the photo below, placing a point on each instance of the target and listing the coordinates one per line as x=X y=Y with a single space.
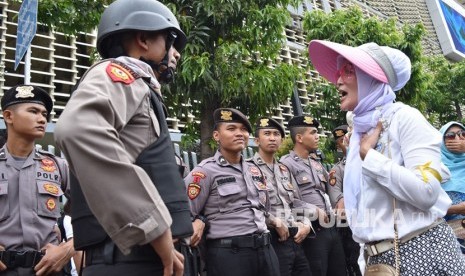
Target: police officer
x=287 y=233
x=324 y=252
x=126 y=187
x=231 y=196
x=335 y=191
x=31 y=183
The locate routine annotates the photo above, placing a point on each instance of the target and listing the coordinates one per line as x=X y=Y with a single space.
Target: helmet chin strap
x=166 y=73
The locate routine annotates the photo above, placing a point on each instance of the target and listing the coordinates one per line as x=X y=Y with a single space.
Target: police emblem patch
x=47 y=162
x=51 y=204
x=49 y=168
x=24 y=92
x=199 y=174
x=332 y=181
x=254 y=171
x=118 y=73
x=48 y=165
x=264 y=122
x=50 y=188
x=226 y=115
x=262 y=185
x=332 y=177
x=308 y=120
x=193 y=190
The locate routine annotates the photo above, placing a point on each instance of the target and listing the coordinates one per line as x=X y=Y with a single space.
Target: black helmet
x=140 y=15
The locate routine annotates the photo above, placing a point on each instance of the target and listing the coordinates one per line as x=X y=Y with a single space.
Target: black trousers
x=351 y=251
x=291 y=257
x=106 y=259
x=243 y=261
x=325 y=253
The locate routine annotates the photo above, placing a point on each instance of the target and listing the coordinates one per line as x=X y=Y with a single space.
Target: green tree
x=447 y=90
x=71 y=16
x=232 y=59
x=351 y=27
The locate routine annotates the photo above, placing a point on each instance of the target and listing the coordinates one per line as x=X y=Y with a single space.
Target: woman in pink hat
x=393 y=167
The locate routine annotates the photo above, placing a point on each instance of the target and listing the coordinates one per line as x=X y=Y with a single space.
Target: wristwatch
x=202 y=218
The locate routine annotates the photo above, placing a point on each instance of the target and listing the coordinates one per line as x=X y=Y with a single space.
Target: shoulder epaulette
x=206 y=160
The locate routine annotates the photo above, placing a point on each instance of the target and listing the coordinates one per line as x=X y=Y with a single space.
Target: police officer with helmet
x=230 y=195
x=128 y=201
x=31 y=183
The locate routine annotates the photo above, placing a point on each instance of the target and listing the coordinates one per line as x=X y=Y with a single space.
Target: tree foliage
x=447 y=90
x=71 y=16
x=232 y=59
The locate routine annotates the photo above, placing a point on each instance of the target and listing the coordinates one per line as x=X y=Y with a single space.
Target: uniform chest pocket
x=230 y=195
x=322 y=177
x=304 y=178
x=4 y=204
x=48 y=204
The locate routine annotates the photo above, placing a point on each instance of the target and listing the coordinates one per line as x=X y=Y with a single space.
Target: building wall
x=58 y=61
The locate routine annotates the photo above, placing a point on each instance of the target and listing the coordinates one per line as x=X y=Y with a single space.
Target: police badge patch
x=51 y=204
x=193 y=190
x=118 y=73
x=332 y=177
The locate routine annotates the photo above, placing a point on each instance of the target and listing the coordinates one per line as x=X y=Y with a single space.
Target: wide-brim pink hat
x=376 y=61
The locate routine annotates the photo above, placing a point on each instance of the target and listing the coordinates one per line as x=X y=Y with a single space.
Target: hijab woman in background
x=453 y=156
x=393 y=167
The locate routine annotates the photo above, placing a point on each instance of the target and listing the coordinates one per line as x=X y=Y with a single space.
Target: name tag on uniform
x=226 y=180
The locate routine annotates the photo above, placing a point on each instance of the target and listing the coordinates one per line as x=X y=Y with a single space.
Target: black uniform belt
x=252 y=241
x=14 y=259
x=108 y=253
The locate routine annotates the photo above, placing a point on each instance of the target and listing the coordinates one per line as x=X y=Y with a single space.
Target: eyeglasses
x=347 y=72
x=451 y=135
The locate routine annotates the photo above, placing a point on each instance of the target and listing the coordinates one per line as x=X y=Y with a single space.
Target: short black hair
x=297 y=130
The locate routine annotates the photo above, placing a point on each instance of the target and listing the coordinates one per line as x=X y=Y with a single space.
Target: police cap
x=303 y=121
x=231 y=115
x=266 y=122
x=26 y=94
x=339 y=131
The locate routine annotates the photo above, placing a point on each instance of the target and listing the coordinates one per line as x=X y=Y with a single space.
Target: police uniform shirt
x=105 y=126
x=336 y=178
x=29 y=199
x=281 y=188
x=234 y=199
x=311 y=179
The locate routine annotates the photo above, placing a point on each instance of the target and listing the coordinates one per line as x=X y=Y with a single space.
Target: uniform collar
x=220 y=160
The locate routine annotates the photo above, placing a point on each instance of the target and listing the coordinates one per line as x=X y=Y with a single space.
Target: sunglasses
x=451 y=135
x=347 y=72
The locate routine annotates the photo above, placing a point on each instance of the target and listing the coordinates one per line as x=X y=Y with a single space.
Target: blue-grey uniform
x=284 y=195
x=335 y=191
x=336 y=176
x=324 y=252
x=30 y=189
x=233 y=200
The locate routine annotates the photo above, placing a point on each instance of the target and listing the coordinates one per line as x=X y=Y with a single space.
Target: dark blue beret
x=266 y=122
x=26 y=94
x=230 y=115
x=303 y=121
x=340 y=131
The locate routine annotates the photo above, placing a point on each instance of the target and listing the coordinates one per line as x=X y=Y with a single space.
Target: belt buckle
x=373 y=249
x=17 y=259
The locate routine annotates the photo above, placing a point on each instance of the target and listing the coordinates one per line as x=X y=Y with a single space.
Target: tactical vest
x=159 y=163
